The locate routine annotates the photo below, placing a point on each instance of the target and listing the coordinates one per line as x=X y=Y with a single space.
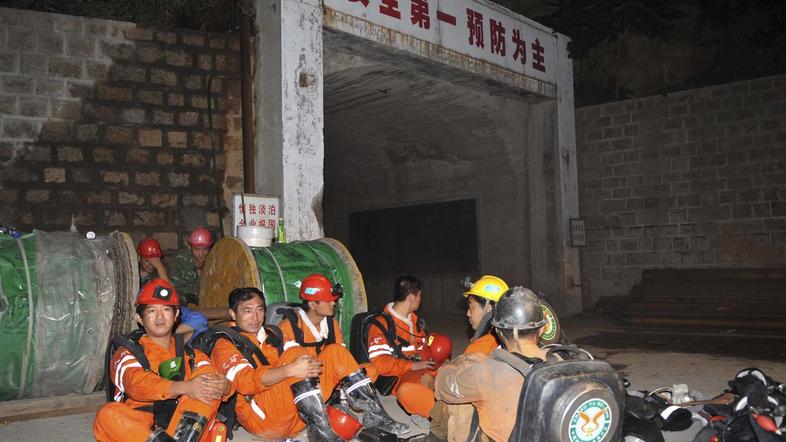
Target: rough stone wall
x=108 y=122
x=692 y=179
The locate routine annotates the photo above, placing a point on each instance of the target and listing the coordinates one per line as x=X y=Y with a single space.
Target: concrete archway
x=413 y=117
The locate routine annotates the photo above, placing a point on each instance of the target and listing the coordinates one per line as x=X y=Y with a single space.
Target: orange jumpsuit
x=121 y=421
x=271 y=412
x=484 y=344
x=381 y=353
x=313 y=334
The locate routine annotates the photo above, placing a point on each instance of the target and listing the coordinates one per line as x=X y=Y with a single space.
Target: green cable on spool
x=56 y=302
x=282 y=267
x=18 y=290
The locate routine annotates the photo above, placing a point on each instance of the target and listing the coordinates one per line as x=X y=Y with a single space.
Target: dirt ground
x=648 y=358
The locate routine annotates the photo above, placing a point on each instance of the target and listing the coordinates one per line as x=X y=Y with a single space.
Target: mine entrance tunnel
x=429 y=177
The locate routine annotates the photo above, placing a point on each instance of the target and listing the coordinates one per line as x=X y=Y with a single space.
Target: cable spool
x=278 y=270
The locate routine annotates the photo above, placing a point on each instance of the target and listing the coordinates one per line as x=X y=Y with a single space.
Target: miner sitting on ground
x=411 y=336
x=281 y=393
x=185 y=266
x=313 y=325
x=481 y=298
x=138 y=391
x=151 y=266
x=491 y=385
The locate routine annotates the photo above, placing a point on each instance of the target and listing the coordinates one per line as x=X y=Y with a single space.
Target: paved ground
x=648 y=358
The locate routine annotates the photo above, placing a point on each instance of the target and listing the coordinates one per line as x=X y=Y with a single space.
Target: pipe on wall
x=246 y=95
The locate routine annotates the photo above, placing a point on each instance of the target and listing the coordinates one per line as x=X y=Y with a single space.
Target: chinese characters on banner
x=259 y=210
x=468 y=27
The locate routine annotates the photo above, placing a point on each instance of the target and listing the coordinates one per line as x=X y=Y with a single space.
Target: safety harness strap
x=162 y=410
x=290 y=316
x=389 y=332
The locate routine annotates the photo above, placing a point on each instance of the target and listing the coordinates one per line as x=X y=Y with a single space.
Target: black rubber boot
x=362 y=397
x=159 y=435
x=308 y=400
x=190 y=427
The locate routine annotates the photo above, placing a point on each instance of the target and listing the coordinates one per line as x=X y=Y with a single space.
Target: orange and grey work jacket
x=490 y=385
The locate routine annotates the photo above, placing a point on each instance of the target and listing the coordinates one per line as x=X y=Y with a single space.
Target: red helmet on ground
x=438 y=348
x=344 y=425
x=200 y=237
x=157 y=291
x=317 y=287
x=149 y=248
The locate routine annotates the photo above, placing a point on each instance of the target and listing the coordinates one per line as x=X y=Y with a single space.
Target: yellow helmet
x=488 y=287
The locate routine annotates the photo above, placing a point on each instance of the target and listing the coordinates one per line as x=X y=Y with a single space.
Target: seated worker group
x=282 y=391
x=490 y=385
x=481 y=298
x=160 y=392
x=182 y=270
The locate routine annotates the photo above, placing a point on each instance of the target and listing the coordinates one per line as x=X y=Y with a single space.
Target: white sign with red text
x=255 y=210
x=468 y=27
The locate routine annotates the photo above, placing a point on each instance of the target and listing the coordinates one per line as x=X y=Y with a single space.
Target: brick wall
x=108 y=122
x=692 y=179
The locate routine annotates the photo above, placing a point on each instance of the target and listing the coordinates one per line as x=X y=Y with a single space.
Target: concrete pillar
x=553 y=191
x=567 y=177
x=544 y=243
x=289 y=159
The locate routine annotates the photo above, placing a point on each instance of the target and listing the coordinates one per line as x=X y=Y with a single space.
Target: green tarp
x=58 y=296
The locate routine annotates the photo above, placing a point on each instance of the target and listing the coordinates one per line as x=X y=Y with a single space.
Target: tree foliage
x=748 y=38
x=595 y=23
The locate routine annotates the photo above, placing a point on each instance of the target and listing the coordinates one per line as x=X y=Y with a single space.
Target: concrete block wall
x=688 y=180
x=107 y=122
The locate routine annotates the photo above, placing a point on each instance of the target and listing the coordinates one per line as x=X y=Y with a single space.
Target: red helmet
x=200 y=237
x=438 y=348
x=149 y=248
x=157 y=291
x=317 y=287
x=344 y=424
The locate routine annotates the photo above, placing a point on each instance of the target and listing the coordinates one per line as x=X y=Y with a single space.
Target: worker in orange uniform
x=490 y=385
x=313 y=325
x=148 y=406
x=278 y=389
x=151 y=266
x=410 y=337
x=481 y=297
